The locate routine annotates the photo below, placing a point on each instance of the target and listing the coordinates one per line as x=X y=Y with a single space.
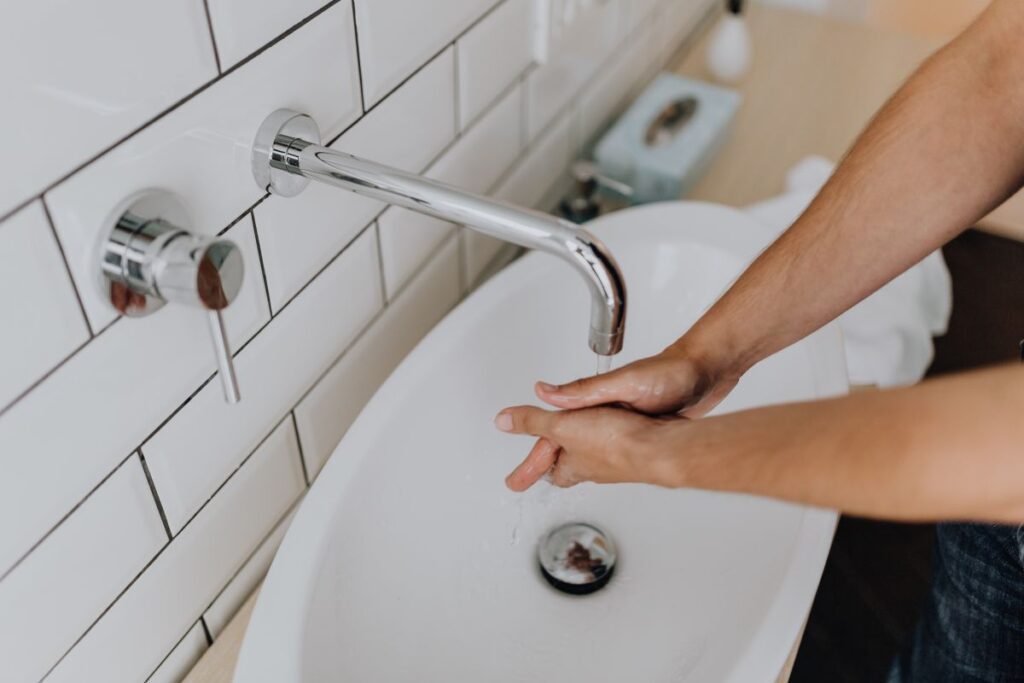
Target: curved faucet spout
x=287 y=150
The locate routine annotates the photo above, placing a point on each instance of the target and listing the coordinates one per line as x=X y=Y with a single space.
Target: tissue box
x=664 y=142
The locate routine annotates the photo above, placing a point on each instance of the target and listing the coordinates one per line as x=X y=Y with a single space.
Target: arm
x=945 y=449
x=941 y=154
x=946 y=150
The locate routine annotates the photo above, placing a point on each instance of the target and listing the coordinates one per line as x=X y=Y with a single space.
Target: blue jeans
x=972 y=628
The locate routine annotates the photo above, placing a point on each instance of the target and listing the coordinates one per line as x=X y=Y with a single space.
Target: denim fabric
x=972 y=628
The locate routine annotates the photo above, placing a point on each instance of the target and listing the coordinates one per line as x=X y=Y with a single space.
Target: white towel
x=888 y=336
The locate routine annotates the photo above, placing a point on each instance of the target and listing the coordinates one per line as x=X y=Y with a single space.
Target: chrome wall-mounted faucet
x=287 y=154
x=146 y=260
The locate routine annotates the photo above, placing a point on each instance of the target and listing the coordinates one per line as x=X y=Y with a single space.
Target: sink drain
x=577 y=558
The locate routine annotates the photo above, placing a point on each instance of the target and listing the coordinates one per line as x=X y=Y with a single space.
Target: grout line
x=263 y=267
x=380 y=263
x=164 y=112
x=456 y=87
x=248 y=558
x=67 y=266
x=70 y=512
x=376 y=318
x=232 y=474
x=524 y=117
x=213 y=39
x=428 y=260
x=206 y=627
x=166 y=545
x=460 y=235
x=298 y=441
x=237 y=219
x=293 y=297
x=359 y=59
x=492 y=105
x=46 y=375
x=156 y=496
x=185 y=635
x=108 y=607
x=424 y=64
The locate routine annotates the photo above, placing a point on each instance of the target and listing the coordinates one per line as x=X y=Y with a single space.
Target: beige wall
x=940 y=18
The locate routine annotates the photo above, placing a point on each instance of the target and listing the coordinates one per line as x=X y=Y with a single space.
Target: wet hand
x=604 y=445
x=671 y=382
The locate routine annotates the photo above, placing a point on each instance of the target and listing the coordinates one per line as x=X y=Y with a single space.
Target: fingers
x=541 y=459
x=611 y=387
x=561 y=474
x=525 y=420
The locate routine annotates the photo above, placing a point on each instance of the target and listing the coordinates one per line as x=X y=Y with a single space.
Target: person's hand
x=673 y=381
x=603 y=445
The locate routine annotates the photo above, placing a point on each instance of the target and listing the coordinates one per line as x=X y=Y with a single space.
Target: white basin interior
x=410 y=561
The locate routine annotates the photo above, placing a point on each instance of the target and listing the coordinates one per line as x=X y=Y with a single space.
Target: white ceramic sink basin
x=410 y=561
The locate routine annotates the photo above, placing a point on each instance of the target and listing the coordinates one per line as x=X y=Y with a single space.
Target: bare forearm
x=945 y=449
x=941 y=154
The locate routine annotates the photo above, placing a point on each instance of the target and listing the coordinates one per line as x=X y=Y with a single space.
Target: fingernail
x=549 y=388
x=503 y=421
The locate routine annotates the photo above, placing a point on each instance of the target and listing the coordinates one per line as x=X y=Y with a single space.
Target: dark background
x=877 y=573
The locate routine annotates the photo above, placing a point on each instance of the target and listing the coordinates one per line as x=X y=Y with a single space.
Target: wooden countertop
x=814 y=85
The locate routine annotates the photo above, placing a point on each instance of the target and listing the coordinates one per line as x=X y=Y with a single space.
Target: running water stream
x=604 y=364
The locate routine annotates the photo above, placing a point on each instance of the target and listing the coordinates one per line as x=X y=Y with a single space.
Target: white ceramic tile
x=575 y=57
x=477 y=161
x=479 y=158
x=605 y=99
x=396 y=36
x=477 y=252
x=109 y=396
x=506 y=255
x=52 y=597
x=678 y=20
x=407 y=238
x=639 y=10
x=492 y=55
x=241 y=27
x=538 y=177
x=182 y=658
x=299 y=235
x=202 y=149
x=69 y=90
x=42 y=320
x=200 y=446
x=414 y=124
x=241 y=586
x=326 y=413
x=129 y=641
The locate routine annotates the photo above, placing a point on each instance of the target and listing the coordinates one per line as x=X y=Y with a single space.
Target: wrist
x=661 y=452
x=714 y=358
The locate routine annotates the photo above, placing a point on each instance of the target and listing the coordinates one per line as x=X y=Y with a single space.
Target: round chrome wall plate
x=291 y=124
x=115 y=247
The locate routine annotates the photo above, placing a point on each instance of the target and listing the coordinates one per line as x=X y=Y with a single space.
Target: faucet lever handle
x=225 y=365
x=147 y=260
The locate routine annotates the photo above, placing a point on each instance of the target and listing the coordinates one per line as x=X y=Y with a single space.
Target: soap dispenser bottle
x=583 y=203
x=729 y=51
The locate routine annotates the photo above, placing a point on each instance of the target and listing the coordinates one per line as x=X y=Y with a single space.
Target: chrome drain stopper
x=577 y=558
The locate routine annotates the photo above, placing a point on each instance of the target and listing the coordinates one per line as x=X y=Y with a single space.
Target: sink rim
x=280 y=613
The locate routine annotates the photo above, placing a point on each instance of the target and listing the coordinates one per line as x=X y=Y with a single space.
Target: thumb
x=610 y=387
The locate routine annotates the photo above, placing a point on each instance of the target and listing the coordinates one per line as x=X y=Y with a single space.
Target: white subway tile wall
x=137 y=510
